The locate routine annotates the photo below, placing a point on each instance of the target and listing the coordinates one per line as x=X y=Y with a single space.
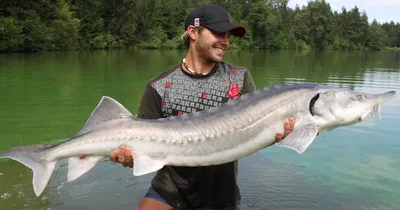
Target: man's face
x=211 y=46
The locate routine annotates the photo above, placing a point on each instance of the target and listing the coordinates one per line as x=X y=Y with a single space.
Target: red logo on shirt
x=168 y=84
x=234 y=91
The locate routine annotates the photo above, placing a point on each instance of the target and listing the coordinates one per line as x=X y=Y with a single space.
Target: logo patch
x=197 y=22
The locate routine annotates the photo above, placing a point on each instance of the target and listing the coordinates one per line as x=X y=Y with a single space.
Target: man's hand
x=124 y=154
x=288 y=127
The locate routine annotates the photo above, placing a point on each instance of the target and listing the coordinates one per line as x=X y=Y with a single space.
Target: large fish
x=215 y=136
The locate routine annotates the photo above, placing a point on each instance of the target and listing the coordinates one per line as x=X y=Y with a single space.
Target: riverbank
x=395 y=49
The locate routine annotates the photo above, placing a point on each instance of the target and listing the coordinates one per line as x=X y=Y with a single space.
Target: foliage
x=155 y=24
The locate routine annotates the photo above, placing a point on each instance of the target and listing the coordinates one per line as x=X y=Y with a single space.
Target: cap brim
x=222 y=27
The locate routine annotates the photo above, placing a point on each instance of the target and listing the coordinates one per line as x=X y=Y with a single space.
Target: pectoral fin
x=301 y=137
x=145 y=165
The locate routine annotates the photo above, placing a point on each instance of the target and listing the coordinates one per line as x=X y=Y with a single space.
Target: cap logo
x=197 y=22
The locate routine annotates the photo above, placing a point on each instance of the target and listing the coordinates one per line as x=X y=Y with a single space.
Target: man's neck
x=198 y=65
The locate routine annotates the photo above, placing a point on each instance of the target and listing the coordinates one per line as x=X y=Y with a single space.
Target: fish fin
x=144 y=165
x=30 y=156
x=77 y=166
x=300 y=138
x=107 y=109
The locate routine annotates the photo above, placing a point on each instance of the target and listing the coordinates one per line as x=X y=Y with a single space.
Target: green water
x=47 y=97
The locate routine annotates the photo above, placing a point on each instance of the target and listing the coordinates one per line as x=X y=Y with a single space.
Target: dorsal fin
x=107 y=109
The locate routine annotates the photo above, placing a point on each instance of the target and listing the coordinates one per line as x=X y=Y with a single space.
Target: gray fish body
x=199 y=138
x=222 y=134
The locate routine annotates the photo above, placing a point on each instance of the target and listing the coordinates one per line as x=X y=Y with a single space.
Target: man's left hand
x=288 y=127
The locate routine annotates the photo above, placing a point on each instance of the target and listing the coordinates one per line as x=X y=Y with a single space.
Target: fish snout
x=380 y=99
x=383 y=97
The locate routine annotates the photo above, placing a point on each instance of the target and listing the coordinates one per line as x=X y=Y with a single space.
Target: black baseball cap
x=215 y=18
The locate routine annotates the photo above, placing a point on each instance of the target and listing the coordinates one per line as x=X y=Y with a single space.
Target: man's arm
x=248 y=83
x=149 y=108
x=150 y=105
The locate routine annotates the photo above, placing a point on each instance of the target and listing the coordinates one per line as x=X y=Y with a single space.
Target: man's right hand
x=123 y=156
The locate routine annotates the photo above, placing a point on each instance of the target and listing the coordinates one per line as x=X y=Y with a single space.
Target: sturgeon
x=218 y=135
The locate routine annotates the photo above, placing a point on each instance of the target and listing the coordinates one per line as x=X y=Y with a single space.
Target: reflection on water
x=47 y=97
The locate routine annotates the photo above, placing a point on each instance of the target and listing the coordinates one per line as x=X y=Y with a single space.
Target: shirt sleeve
x=150 y=104
x=248 y=83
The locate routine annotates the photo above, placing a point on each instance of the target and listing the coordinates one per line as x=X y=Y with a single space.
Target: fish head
x=333 y=108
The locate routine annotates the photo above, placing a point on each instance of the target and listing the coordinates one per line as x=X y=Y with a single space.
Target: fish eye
x=360 y=97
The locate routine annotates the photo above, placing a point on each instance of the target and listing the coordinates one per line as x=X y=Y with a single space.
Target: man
x=201 y=81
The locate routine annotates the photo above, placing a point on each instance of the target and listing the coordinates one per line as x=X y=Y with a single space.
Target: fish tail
x=31 y=156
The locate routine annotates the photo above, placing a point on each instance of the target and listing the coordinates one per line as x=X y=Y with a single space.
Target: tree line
x=108 y=24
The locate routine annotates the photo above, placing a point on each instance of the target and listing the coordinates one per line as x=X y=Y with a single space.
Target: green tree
x=11 y=37
x=104 y=24
x=377 y=37
x=65 y=28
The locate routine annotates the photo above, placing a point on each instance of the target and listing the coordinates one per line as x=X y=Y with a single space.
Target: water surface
x=47 y=97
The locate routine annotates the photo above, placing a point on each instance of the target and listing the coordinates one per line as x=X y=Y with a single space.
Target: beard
x=205 y=51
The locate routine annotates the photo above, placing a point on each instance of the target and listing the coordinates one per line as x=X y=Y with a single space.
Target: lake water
x=47 y=97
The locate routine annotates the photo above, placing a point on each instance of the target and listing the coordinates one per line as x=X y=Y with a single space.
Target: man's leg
x=153 y=201
x=151 y=204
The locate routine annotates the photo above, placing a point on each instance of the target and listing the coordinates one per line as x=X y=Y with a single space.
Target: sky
x=381 y=10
